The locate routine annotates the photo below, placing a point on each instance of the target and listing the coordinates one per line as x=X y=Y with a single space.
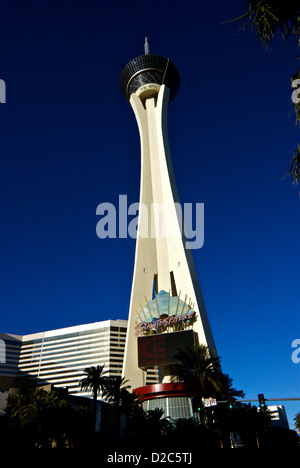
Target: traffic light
x=261 y=401
x=230 y=403
x=196 y=405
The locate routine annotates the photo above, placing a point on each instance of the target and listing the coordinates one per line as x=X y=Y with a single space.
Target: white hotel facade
x=59 y=357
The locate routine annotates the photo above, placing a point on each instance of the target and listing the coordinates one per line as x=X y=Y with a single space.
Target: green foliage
x=297 y=421
x=113 y=389
x=293 y=169
x=199 y=370
x=156 y=424
x=200 y=373
x=41 y=419
x=94 y=380
x=269 y=17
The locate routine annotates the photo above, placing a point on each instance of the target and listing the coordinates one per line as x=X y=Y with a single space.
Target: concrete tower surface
x=166 y=295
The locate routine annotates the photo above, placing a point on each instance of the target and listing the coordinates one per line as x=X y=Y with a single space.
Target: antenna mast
x=146 y=46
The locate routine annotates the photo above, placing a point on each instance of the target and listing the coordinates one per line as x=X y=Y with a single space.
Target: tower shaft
x=162 y=261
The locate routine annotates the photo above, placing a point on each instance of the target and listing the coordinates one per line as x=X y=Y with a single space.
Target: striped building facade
x=59 y=357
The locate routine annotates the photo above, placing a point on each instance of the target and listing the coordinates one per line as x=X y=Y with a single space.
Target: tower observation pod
x=167 y=310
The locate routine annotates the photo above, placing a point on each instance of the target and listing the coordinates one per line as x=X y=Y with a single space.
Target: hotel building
x=59 y=357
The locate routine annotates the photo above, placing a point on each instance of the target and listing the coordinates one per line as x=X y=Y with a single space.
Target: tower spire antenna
x=146 y=46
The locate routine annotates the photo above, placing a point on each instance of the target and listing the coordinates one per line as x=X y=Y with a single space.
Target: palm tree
x=189 y=430
x=93 y=380
x=297 y=421
x=24 y=417
x=198 y=369
x=200 y=372
x=39 y=419
x=129 y=406
x=114 y=389
x=293 y=168
x=156 y=425
x=226 y=419
x=227 y=390
x=269 y=17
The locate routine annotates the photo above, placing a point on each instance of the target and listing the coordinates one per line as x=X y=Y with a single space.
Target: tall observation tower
x=167 y=310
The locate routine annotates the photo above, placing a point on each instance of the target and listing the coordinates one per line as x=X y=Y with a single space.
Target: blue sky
x=69 y=141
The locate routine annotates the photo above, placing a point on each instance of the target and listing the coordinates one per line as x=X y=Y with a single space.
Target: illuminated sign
x=165 y=322
x=161 y=349
x=163 y=313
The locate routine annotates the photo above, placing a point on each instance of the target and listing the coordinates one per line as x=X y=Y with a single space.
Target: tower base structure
x=172 y=398
x=167 y=310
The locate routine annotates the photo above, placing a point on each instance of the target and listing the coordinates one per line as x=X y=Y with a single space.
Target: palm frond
x=293 y=169
x=268 y=17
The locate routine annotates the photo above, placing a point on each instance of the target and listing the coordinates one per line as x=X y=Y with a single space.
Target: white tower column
x=161 y=259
